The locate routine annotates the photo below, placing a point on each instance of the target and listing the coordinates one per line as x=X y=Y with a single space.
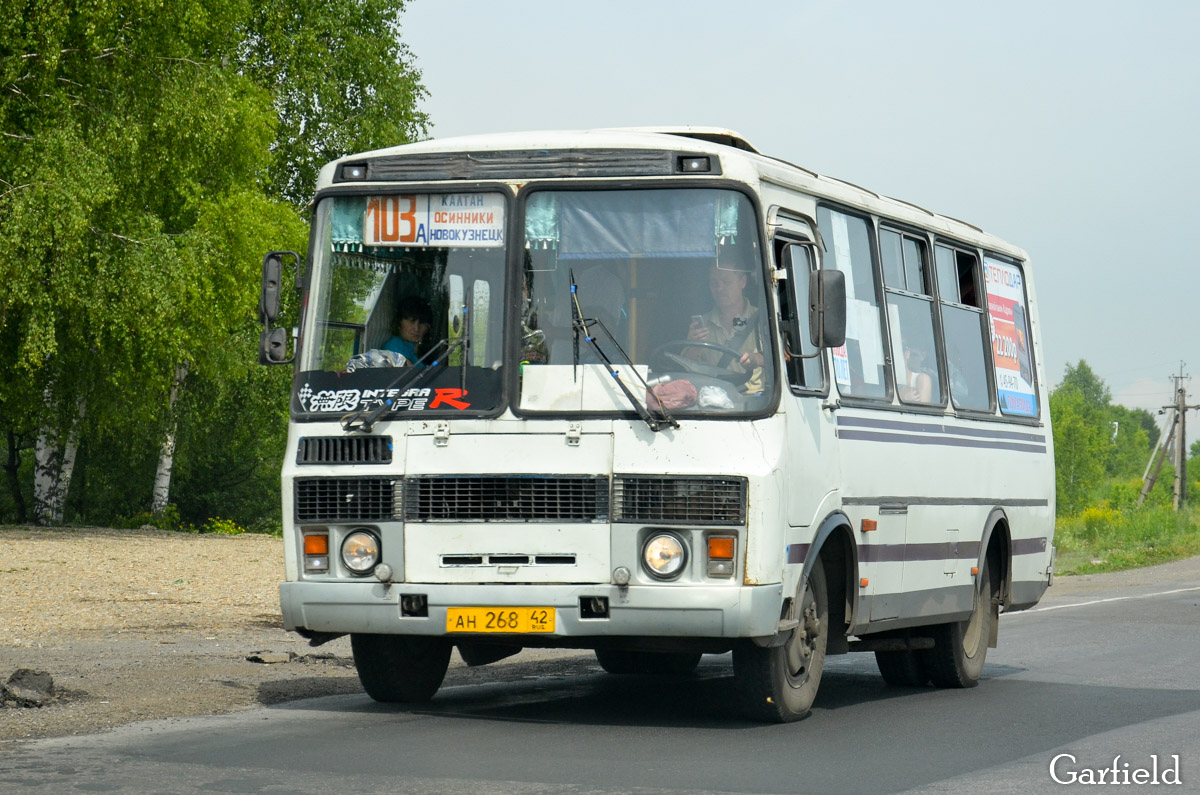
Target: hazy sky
x=1068 y=128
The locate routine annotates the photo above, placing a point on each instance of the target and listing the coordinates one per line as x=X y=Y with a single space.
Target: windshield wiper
x=582 y=326
x=364 y=420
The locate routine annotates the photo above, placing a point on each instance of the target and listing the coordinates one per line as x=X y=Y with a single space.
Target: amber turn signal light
x=720 y=548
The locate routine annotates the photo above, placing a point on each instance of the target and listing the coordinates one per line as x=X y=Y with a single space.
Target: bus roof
x=731 y=146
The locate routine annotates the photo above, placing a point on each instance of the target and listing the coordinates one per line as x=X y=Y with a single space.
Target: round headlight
x=360 y=551
x=664 y=555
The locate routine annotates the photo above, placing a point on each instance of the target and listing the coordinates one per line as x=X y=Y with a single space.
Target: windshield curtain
x=671 y=277
x=406 y=300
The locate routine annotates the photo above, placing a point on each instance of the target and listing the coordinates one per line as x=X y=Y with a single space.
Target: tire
x=620 y=661
x=780 y=684
x=400 y=668
x=959 y=649
x=902 y=668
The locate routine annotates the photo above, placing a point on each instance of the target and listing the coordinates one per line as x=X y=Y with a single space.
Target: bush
x=166 y=519
x=1102 y=538
x=225 y=527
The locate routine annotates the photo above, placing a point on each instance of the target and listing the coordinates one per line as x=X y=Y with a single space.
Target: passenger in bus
x=734 y=323
x=918 y=384
x=413 y=319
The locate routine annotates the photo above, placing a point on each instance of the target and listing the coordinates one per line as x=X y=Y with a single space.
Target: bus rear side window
x=1011 y=351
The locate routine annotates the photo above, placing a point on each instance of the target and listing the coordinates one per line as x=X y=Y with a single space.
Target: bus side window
x=963 y=325
x=803 y=374
x=1012 y=352
x=910 y=316
x=859 y=365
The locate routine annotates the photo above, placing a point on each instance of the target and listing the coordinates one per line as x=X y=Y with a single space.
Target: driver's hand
x=752 y=359
x=698 y=333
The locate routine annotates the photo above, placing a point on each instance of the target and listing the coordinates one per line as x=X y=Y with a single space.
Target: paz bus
x=667 y=397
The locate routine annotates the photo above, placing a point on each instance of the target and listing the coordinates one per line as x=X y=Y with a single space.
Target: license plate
x=500 y=619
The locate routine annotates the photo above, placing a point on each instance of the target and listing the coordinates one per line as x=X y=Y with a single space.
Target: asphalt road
x=1093 y=672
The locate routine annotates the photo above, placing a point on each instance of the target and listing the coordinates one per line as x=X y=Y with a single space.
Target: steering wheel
x=719 y=370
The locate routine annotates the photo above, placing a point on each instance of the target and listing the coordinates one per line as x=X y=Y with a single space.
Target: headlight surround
x=360 y=551
x=664 y=556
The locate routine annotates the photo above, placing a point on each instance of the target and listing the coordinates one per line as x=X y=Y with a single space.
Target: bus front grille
x=679 y=500
x=344 y=499
x=506 y=498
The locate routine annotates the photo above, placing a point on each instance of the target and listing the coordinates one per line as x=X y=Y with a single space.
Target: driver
x=413 y=319
x=733 y=323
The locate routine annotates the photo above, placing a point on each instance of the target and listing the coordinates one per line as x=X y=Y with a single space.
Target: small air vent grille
x=517 y=498
x=679 y=500
x=344 y=499
x=344 y=450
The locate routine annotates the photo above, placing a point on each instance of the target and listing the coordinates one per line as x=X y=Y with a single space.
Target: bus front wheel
x=400 y=668
x=780 y=684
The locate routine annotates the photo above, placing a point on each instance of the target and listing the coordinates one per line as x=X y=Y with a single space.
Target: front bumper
x=634 y=611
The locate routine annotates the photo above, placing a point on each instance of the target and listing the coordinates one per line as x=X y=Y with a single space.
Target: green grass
x=1103 y=539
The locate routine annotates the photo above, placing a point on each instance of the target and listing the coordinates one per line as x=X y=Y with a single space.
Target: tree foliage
x=1083 y=379
x=148 y=156
x=1080 y=445
x=341 y=80
x=1095 y=440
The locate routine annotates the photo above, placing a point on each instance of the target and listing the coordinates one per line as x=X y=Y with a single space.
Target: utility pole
x=1181 y=450
x=1176 y=432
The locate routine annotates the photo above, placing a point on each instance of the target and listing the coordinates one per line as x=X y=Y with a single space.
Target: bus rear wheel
x=400 y=668
x=959 y=649
x=780 y=684
x=620 y=661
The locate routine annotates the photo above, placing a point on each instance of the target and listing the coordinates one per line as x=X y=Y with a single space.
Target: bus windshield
x=407 y=294
x=668 y=283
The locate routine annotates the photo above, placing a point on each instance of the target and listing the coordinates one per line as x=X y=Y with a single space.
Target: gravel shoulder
x=141 y=624
x=144 y=624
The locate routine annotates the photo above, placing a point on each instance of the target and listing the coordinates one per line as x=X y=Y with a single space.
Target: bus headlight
x=360 y=551
x=664 y=555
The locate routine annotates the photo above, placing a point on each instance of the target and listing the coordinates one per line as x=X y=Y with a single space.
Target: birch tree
x=123 y=135
x=148 y=156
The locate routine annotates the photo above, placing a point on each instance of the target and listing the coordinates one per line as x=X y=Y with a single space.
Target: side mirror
x=827 y=308
x=272 y=346
x=272 y=275
x=272 y=343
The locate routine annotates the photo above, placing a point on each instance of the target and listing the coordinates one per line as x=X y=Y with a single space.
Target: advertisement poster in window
x=1007 y=317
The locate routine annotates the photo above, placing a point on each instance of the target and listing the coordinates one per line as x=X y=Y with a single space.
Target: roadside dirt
x=143 y=624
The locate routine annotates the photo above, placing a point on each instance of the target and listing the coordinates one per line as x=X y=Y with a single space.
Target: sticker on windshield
x=346 y=400
x=448 y=220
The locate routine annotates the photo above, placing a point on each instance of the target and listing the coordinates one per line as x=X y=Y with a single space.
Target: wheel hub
x=803 y=643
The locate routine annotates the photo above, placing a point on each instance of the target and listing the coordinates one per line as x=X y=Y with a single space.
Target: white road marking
x=1102 y=601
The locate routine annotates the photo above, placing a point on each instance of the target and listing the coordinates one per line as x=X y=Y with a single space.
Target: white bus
x=651 y=393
